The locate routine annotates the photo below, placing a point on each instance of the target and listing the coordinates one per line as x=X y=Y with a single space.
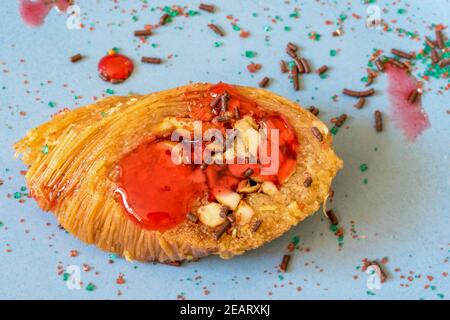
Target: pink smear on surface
x=34 y=12
x=410 y=118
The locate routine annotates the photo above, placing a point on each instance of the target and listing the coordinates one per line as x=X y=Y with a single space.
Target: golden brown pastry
x=107 y=171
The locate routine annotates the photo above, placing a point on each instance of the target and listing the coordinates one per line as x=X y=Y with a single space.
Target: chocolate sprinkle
x=218 y=233
x=339 y=121
x=291 y=53
x=283 y=66
x=248 y=173
x=314 y=111
x=444 y=63
x=142 y=33
x=306 y=65
x=215 y=101
x=332 y=216
x=322 y=70
x=435 y=57
x=216 y=29
x=359 y=94
x=316 y=132
x=299 y=64
x=163 y=19
x=76 y=58
x=292 y=46
x=378 y=121
x=236 y=112
x=307 y=183
x=151 y=60
x=380 y=65
x=413 y=96
x=402 y=54
x=223 y=118
x=192 y=217
x=398 y=64
x=285 y=262
x=206 y=7
x=264 y=82
x=360 y=104
x=440 y=39
x=224 y=102
x=430 y=43
x=256 y=225
x=294 y=73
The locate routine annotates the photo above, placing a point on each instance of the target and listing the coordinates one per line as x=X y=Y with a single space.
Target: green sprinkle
x=366 y=181
x=333 y=53
x=363 y=167
x=441 y=295
x=154 y=45
x=401 y=11
x=296 y=240
x=66 y=276
x=287 y=28
x=103 y=114
x=23 y=189
x=90 y=287
x=51 y=104
x=193 y=13
x=110 y=91
x=250 y=54
x=334 y=130
x=267 y=29
x=218 y=44
x=135 y=18
x=236 y=27
x=1 y=224
x=18 y=195
x=44 y=149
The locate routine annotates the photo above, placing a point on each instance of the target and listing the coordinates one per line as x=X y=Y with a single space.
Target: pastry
x=148 y=177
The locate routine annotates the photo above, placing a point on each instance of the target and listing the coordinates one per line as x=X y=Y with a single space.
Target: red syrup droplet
x=410 y=118
x=115 y=68
x=34 y=12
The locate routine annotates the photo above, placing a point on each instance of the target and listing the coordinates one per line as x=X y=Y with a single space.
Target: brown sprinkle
x=236 y=112
x=398 y=64
x=174 y=263
x=264 y=82
x=163 y=19
x=206 y=7
x=306 y=65
x=359 y=94
x=380 y=65
x=307 y=183
x=248 y=173
x=360 y=104
x=283 y=66
x=299 y=64
x=151 y=60
x=256 y=225
x=224 y=211
x=292 y=46
x=216 y=29
x=192 y=217
x=322 y=70
x=143 y=33
x=316 y=132
x=285 y=262
x=378 y=121
x=435 y=57
x=430 y=43
x=332 y=216
x=215 y=101
x=222 y=229
x=219 y=119
x=314 y=111
x=339 y=121
x=224 y=102
x=291 y=53
x=294 y=73
x=76 y=58
x=444 y=63
x=413 y=96
x=402 y=54
x=379 y=271
x=440 y=39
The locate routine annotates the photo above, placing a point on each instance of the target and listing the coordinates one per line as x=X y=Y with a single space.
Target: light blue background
x=402 y=213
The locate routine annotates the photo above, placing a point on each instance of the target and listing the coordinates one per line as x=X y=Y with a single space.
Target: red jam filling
x=158 y=193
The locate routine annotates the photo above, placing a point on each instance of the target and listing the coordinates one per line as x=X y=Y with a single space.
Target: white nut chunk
x=210 y=215
x=244 y=213
x=229 y=198
x=269 y=188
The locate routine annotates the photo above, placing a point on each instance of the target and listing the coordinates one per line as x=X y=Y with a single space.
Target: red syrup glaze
x=158 y=193
x=115 y=68
x=155 y=191
x=34 y=12
x=410 y=118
